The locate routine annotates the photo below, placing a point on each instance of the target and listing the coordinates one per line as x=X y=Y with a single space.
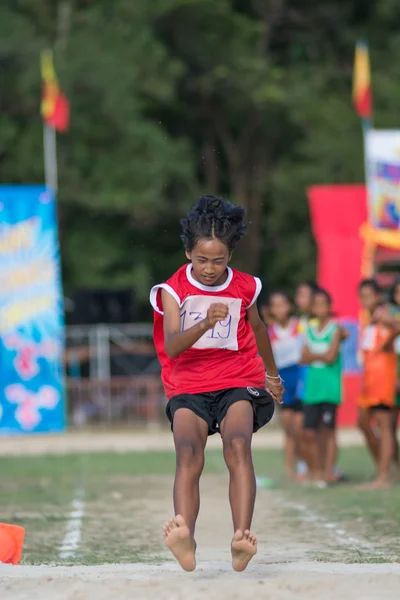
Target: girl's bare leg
x=386 y=450
x=190 y=437
x=331 y=452
x=312 y=455
x=396 y=456
x=288 y=418
x=364 y=424
x=237 y=432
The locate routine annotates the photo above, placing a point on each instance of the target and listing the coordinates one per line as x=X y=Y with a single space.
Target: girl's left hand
x=275 y=389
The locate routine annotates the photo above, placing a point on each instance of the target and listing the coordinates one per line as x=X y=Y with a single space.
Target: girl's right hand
x=216 y=312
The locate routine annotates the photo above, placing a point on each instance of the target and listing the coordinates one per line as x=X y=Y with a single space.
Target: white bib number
x=224 y=334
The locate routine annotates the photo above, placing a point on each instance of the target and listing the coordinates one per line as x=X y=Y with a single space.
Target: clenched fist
x=216 y=312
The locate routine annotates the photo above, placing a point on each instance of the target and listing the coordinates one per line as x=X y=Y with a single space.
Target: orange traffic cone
x=11 y=542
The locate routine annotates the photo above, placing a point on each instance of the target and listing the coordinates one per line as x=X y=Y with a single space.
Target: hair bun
x=211 y=218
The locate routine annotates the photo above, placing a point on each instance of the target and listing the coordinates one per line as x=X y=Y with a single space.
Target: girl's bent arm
x=263 y=341
x=307 y=357
x=175 y=340
x=333 y=352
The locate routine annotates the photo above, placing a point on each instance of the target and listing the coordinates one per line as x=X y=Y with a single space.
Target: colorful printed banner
x=31 y=313
x=383 y=178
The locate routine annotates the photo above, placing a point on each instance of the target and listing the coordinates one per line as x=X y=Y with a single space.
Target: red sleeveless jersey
x=224 y=357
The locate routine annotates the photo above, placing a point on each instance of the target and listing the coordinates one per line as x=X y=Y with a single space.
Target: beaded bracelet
x=279 y=382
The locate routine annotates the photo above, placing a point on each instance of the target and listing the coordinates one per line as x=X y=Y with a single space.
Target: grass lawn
x=36 y=492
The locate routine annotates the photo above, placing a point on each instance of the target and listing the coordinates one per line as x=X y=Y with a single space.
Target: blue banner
x=31 y=313
x=349 y=348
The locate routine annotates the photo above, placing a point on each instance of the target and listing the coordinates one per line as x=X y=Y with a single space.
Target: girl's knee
x=290 y=432
x=363 y=423
x=237 y=449
x=384 y=420
x=328 y=432
x=310 y=435
x=189 y=456
x=289 y=427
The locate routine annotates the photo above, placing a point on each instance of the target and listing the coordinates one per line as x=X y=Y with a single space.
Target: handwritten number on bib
x=220 y=331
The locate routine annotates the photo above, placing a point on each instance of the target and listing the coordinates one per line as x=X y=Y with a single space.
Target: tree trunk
x=247 y=184
x=247 y=255
x=251 y=188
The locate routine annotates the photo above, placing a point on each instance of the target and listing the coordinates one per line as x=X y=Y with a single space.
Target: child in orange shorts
x=378 y=390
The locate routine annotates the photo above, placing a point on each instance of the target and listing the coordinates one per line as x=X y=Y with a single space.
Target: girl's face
x=303 y=298
x=396 y=294
x=369 y=298
x=321 y=308
x=209 y=257
x=280 y=307
x=266 y=315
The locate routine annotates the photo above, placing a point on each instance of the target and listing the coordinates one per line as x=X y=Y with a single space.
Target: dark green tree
x=249 y=99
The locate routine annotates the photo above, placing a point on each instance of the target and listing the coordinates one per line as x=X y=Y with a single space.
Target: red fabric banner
x=337 y=213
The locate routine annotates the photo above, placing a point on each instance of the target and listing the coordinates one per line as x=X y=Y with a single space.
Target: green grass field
x=121 y=489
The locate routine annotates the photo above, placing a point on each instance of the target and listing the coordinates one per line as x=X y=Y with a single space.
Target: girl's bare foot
x=378 y=484
x=244 y=547
x=301 y=477
x=180 y=542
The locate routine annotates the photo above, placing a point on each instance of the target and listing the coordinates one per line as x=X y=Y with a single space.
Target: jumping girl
x=217 y=362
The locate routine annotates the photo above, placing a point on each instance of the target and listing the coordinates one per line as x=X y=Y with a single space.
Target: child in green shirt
x=322 y=389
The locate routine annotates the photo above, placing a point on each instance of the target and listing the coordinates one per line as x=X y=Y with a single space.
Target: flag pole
x=50 y=157
x=362 y=99
x=367 y=125
x=367 y=269
x=49 y=132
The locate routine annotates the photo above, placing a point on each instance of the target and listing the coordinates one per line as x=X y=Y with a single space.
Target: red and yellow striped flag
x=55 y=106
x=362 y=96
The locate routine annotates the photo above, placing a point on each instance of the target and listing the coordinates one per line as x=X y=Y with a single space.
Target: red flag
x=55 y=106
x=362 y=96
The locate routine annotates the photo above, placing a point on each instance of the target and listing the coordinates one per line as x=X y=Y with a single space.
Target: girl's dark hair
x=213 y=218
x=392 y=294
x=310 y=283
x=278 y=293
x=371 y=283
x=321 y=292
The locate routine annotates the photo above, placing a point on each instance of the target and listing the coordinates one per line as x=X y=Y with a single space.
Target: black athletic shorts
x=323 y=413
x=213 y=406
x=297 y=406
x=381 y=407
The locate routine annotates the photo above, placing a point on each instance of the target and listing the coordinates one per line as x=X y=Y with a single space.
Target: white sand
x=211 y=581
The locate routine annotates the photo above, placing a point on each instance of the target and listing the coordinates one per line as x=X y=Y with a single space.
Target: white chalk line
x=341 y=536
x=73 y=531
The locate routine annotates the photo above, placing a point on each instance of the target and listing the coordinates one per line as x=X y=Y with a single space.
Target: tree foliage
x=250 y=99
